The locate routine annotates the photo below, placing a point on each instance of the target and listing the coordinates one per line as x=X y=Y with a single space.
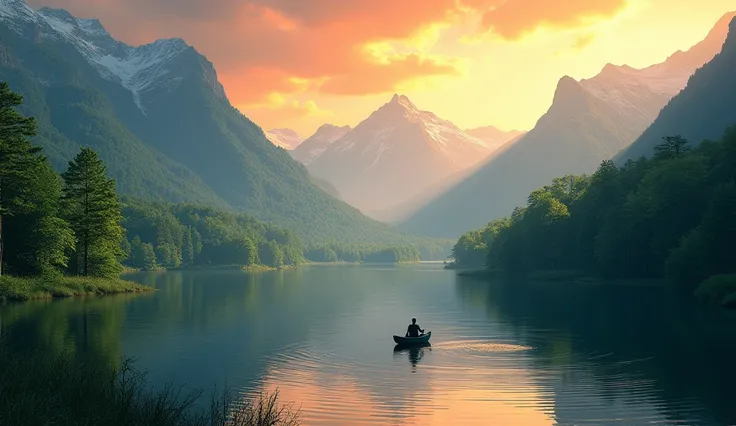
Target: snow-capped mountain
x=589 y=121
x=160 y=120
x=316 y=144
x=138 y=69
x=493 y=136
x=396 y=153
x=285 y=138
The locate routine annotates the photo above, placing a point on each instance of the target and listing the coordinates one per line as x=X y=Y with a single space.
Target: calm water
x=527 y=354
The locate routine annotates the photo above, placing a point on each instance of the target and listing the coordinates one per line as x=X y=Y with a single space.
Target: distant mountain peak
x=315 y=145
x=284 y=138
x=403 y=101
x=331 y=128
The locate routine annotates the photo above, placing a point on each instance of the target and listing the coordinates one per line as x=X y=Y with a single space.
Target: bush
x=45 y=389
x=718 y=290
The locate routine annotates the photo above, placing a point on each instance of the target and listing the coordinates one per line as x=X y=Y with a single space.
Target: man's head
x=413 y=320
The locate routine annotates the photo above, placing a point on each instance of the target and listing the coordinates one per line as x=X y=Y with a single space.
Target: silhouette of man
x=414 y=329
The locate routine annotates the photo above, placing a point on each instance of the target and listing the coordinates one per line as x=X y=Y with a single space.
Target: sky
x=301 y=63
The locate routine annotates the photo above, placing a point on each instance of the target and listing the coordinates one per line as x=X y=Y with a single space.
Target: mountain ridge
x=701 y=111
x=395 y=153
x=315 y=145
x=161 y=121
x=589 y=121
x=284 y=138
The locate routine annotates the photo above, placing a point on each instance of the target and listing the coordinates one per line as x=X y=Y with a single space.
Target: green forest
x=76 y=223
x=668 y=217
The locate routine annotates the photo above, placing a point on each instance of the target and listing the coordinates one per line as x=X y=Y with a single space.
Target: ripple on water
x=482 y=346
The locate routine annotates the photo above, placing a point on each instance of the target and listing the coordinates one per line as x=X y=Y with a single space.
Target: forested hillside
x=164 y=127
x=701 y=110
x=671 y=216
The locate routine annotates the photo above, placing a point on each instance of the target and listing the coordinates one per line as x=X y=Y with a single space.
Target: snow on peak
x=135 y=68
x=315 y=145
x=284 y=138
x=12 y=11
x=92 y=27
x=385 y=130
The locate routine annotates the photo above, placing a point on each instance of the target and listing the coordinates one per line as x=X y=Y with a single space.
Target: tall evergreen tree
x=38 y=240
x=92 y=208
x=17 y=155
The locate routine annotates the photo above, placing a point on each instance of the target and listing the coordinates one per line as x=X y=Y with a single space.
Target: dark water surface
x=523 y=354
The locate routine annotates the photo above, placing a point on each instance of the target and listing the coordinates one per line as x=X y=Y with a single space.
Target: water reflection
x=415 y=352
x=502 y=353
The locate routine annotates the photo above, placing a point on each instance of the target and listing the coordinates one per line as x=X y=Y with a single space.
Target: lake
x=500 y=354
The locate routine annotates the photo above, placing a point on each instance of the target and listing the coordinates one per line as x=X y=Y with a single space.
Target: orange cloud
x=277 y=109
x=291 y=46
x=513 y=19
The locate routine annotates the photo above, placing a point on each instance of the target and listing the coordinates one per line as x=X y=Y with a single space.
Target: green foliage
x=671 y=147
x=717 y=290
x=17 y=157
x=41 y=388
x=190 y=146
x=48 y=286
x=372 y=254
x=187 y=235
x=473 y=247
x=142 y=255
x=670 y=216
x=92 y=209
x=38 y=240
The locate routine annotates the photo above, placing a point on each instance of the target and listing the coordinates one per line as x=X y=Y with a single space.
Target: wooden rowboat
x=410 y=341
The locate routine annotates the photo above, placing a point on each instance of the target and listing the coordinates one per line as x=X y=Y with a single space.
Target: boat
x=410 y=341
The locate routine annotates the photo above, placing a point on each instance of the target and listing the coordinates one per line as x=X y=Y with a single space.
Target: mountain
x=285 y=138
x=589 y=121
x=316 y=144
x=494 y=137
x=394 y=154
x=702 y=110
x=160 y=119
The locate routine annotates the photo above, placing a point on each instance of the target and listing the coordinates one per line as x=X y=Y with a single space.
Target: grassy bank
x=39 y=389
x=262 y=268
x=43 y=287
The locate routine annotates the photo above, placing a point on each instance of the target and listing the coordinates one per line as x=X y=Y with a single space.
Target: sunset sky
x=301 y=63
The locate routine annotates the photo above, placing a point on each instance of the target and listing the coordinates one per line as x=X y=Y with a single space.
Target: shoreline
x=62 y=287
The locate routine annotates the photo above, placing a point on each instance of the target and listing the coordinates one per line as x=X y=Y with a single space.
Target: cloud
x=583 y=41
x=262 y=47
x=513 y=19
x=277 y=110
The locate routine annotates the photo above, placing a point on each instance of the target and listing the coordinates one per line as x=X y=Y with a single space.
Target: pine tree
x=92 y=208
x=38 y=240
x=17 y=155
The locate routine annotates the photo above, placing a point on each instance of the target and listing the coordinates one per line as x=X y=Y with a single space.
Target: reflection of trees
x=230 y=325
x=687 y=355
x=86 y=327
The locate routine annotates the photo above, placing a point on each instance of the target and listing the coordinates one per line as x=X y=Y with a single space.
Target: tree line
x=51 y=223
x=177 y=236
x=671 y=216
x=336 y=252
x=76 y=223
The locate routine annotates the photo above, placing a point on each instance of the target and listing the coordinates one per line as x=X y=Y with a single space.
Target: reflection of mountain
x=623 y=344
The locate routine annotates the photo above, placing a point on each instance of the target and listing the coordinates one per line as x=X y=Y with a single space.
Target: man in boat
x=414 y=329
